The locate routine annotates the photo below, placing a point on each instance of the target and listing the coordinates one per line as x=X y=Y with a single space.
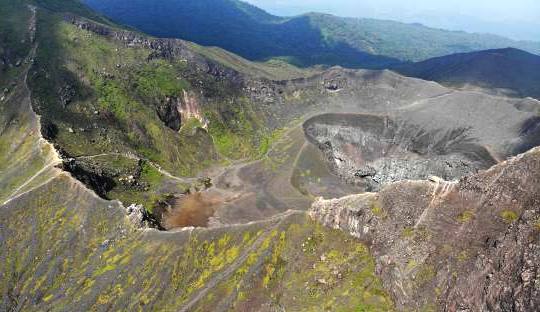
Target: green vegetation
x=115 y=88
x=104 y=97
x=303 y=40
x=408 y=232
x=66 y=248
x=313 y=268
x=190 y=126
x=269 y=140
x=14 y=39
x=465 y=216
x=240 y=133
x=118 y=267
x=425 y=274
x=97 y=96
x=509 y=216
x=283 y=273
x=161 y=79
x=463 y=256
x=377 y=210
x=420 y=234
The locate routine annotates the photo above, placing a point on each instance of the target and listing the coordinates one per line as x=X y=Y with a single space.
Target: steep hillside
x=239 y=28
x=15 y=41
x=125 y=110
x=64 y=248
x=467 y=245
x=507 y=71
x=303 y=40
x=139 y=173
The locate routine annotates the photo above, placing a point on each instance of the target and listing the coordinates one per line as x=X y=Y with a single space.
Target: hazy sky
x=514 y=18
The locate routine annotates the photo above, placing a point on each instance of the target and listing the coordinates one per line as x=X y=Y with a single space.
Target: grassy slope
x=115 y=94
x=66 y=249
x=25 y=161
x=127 y=121
x=294 y=262
x=109 y=112
x=124 y=88
x=14 y=39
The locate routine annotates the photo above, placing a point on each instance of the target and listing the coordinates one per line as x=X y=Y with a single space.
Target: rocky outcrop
x=141 y=218
x=189 y=108
x=66 y=94
x=162 y=48
x=175 y=112
x=335 y=83
x=471 y=245
x=93 y=177
x=374 y=150
x=169 y=113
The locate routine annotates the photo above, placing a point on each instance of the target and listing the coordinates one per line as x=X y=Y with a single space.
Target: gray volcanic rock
x=471 y=245
x=372 y=150
x=168 y=113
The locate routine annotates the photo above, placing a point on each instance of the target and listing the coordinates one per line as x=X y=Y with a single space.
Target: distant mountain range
x=510 y=71
x=303 y=40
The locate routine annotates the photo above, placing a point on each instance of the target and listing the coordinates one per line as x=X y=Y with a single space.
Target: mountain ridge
x=507 y=71
x=304 y=40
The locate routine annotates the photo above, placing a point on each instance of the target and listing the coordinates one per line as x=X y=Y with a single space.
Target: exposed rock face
x=174 y=112
x=140 y=217
x=472 y=245
x=335 y=83
x=189 y=108
x=66 y=94
x=169 y=113
x=95 y=178
x=372 y=150
x=49 y=130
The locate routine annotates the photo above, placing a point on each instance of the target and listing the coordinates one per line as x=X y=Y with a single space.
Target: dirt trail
x=45 y=150
x=421 y=102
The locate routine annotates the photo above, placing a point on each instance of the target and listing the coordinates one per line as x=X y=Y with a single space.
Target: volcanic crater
x=373 y=150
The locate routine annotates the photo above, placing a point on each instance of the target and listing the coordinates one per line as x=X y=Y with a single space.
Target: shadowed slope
x=26 y=160
x=303 y=40
x=507 y=71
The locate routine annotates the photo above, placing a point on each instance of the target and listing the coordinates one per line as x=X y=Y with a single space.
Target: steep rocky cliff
x=470 y=245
